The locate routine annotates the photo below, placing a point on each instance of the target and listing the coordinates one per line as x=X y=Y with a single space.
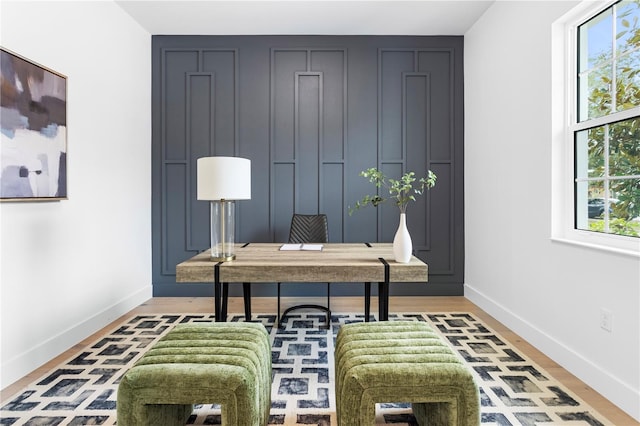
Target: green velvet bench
x=402 y=361
x=200 y=363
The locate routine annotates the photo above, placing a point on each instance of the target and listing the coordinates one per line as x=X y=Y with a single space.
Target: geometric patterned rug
x=514 y=390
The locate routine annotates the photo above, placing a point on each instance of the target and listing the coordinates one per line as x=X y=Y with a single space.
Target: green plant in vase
x=401 y=192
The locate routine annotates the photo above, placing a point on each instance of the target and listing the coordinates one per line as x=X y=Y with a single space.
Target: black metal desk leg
x=278 y=317
x=216 y=300
x=246 y=291
x=383 y=304
x=225 y=301
x=383 y=293
x=216 y=292
x=367 y=301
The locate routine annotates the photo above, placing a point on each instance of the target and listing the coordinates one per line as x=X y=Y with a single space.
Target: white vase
x=402 y=246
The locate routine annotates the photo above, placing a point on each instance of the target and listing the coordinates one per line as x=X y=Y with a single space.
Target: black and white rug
x=514 y=390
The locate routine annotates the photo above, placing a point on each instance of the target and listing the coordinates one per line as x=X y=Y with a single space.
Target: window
x=605 y=129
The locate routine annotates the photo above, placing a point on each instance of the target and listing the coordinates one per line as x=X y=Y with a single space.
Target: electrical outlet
x=606 y=319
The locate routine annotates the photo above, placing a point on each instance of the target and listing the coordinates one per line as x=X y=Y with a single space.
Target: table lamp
x=222 y=181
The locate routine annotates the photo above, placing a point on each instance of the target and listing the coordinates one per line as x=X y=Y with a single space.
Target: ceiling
x=319 y=17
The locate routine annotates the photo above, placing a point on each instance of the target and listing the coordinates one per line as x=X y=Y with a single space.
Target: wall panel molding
x=425 y=127
x=301 y=71
x=187 y=85
x=310 y=112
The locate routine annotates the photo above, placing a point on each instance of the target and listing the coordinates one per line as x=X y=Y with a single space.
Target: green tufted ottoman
x=402 y=361
x=223 y=363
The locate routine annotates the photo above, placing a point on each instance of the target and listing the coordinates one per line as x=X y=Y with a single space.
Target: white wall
x=548 y=292
x=70 y=267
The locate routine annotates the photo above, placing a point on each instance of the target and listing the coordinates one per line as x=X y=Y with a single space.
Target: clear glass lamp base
x=223 y=258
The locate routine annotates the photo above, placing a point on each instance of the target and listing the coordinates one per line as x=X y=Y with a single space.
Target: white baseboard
x=28 y=361
x=612 y=388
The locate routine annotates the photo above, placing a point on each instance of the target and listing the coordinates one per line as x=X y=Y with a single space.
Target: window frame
x=565 y=124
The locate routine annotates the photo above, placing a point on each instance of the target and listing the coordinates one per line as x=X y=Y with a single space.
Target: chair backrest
x=309 y=228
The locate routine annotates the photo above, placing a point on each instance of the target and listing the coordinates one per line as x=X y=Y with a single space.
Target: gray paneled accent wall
x=310 y=112
x=308 y=101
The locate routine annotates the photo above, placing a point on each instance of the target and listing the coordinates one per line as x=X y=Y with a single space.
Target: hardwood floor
x=351 y=304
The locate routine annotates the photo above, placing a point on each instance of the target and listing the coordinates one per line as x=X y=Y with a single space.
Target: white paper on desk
x=303 y=246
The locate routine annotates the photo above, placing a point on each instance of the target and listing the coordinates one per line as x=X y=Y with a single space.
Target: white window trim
x=563 y=91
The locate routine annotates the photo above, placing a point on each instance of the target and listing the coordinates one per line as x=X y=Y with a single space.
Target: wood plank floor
x=350 y=304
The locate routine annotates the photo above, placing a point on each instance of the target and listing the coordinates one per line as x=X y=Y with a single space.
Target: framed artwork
x=33 y=139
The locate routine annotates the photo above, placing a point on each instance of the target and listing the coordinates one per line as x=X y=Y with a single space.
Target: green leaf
x=621 y=33
x=401 y=190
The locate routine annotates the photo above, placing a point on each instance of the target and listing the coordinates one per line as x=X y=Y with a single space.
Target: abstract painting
x=33 y=140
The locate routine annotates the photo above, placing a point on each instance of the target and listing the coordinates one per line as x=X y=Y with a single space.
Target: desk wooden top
x=265 y=262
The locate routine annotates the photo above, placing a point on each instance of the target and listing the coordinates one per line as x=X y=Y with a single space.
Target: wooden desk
x=265 y=263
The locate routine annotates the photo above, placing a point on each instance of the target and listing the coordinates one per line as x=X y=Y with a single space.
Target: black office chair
x=307 y=228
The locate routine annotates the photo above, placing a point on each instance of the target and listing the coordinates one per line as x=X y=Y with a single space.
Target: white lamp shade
x=224 y=178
